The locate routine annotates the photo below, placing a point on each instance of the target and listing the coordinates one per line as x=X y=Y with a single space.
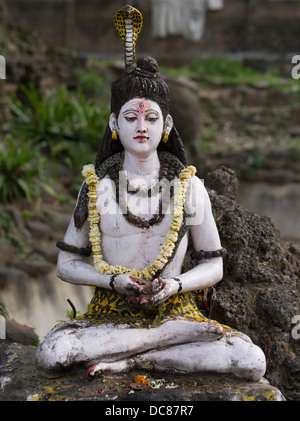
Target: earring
x=114 y=135
x=165 y=137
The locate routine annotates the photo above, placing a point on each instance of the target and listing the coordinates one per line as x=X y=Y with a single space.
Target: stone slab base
x=19 y=381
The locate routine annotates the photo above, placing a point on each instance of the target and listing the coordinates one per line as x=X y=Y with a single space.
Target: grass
x=229 y=72
x=67 y=126
x=19 y=236
x=21 y=170
x=59 y=118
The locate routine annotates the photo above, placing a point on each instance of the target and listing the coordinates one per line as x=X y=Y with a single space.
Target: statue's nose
x=142 y=129
x=141 y=126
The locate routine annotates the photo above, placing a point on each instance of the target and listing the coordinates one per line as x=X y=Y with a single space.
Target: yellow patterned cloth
x=110 y=307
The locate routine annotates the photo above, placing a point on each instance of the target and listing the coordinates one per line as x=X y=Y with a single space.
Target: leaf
x=48 y=188
x=119 y=389
x=25 y=188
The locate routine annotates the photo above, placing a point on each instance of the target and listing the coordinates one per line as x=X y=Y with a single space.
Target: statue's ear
x=113 y=123
x=168 y=126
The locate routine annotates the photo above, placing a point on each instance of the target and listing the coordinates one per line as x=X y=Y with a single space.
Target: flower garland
x=165 y=251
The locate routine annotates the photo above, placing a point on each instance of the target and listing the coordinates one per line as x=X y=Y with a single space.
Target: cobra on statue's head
x=141 y=77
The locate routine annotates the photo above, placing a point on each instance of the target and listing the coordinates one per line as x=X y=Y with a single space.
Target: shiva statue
x=136 y=210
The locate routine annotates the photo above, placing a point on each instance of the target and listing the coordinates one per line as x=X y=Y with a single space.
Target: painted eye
x=130 y=119
x=152 y=118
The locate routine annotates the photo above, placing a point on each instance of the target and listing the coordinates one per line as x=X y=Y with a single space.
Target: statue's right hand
x=126 y=285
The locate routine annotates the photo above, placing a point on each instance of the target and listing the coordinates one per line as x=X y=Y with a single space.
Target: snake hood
x=141 y=77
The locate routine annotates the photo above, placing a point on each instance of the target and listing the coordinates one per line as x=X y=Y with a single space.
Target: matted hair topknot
x=144 y=82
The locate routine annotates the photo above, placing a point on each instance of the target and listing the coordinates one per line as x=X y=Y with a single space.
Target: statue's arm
x=205 y=236
x=74 y=268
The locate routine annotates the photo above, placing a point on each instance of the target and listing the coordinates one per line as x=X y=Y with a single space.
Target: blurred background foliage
x=57 y=126
x=64 y=125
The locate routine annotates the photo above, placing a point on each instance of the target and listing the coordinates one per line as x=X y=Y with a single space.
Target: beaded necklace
x=139 y=222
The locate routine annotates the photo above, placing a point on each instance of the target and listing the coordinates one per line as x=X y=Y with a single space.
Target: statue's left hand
x=161 y=290
x=127 y=285
x=170 y=287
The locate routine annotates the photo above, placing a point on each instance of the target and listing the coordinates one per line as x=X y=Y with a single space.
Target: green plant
x=77 y=157
x=21 y=170
x=59 y=118
x=93 y=85
x=208 y=137
x=19 y=236
x=229 y=71
x=3 y=311
x=256 y=159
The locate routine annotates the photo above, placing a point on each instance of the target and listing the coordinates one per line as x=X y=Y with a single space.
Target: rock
x=10 y=275
x=188 y=83
x=295 y=115
x=59 y=220
x=16 y=332
x=277 y=97
x=261 y=84
x=259 y=294
x=294 y=131
x=21 y=382
x=221 y=94
x=49 y=253
x=254 y=97
x=223 y=181
x=185 y=110
x=15 y=214
x=39 y=230
x=6 y=250
x=34 y=267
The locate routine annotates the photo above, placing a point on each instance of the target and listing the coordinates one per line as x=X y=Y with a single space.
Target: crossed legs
x=175 y=346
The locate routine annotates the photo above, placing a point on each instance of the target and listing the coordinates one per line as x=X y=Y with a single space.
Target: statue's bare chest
x=114 y=218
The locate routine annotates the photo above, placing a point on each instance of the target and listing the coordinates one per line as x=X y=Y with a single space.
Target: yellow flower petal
x=88 y=169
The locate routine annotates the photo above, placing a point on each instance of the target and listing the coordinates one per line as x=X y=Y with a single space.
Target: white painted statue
x=134 y=213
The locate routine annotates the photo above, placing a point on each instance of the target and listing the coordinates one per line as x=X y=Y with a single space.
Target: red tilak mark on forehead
x=141 y=105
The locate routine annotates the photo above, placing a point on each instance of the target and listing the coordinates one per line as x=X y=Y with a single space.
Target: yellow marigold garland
x=166 y=249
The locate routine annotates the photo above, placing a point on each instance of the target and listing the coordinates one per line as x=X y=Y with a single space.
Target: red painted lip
x=141 y=137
